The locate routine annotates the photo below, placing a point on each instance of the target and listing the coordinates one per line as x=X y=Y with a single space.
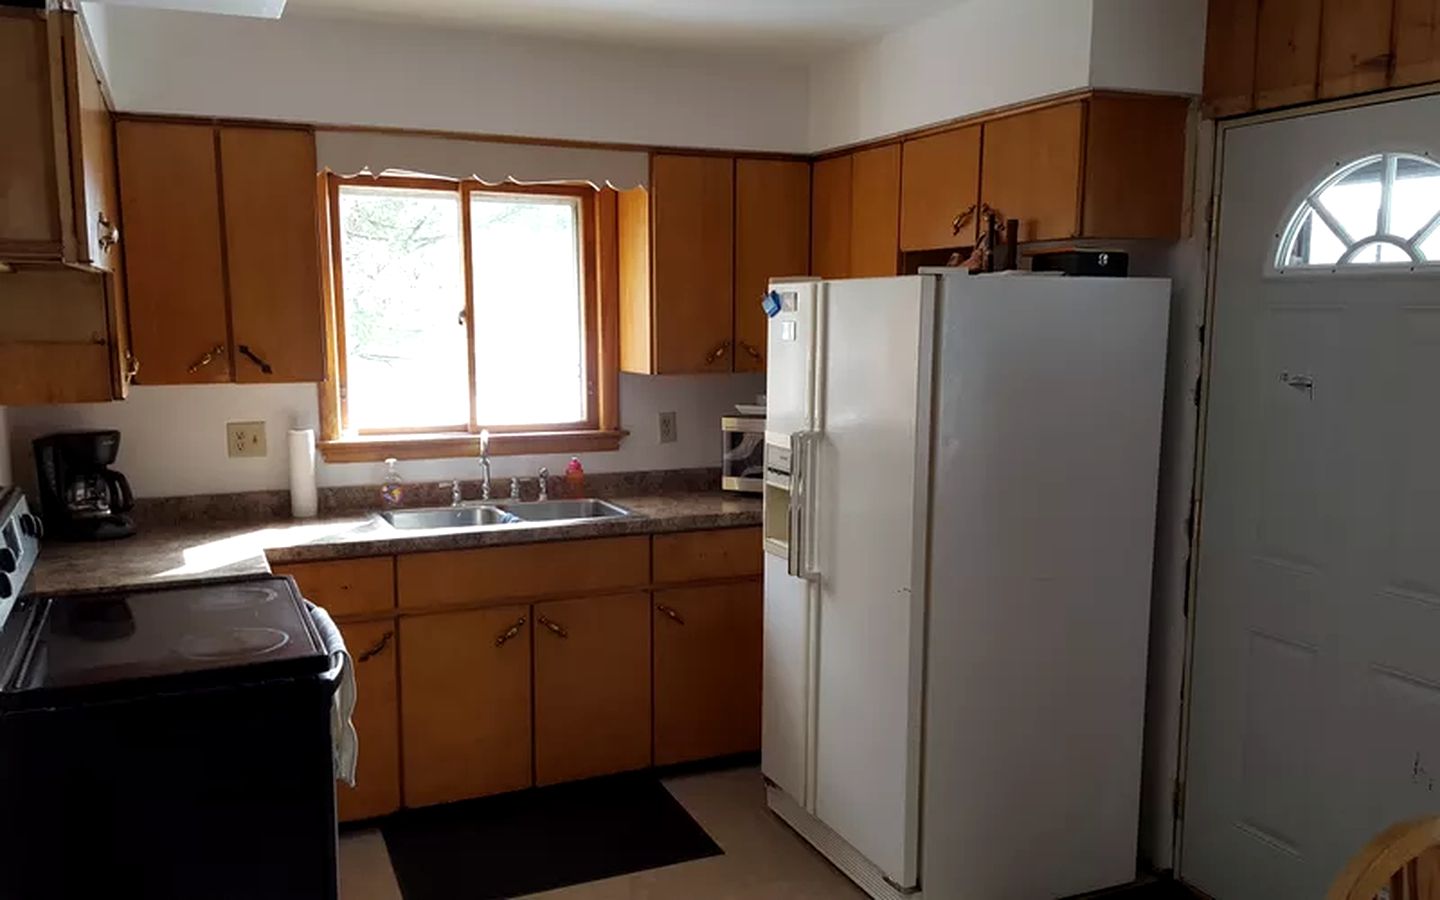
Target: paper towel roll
x=303 y=500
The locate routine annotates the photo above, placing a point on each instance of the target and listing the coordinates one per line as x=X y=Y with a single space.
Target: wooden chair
x=1402 y=863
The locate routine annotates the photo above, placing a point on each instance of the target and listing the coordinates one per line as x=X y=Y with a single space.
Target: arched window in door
x=1382 y=210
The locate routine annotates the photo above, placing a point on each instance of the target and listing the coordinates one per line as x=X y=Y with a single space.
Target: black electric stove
x=168 y=742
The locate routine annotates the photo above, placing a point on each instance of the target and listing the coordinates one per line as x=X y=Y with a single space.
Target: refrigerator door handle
x=800 y=561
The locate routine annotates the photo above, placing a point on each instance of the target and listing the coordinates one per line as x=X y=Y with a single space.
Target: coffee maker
x=81 y=497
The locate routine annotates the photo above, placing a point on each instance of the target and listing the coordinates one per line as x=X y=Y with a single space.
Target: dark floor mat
x=541 y=839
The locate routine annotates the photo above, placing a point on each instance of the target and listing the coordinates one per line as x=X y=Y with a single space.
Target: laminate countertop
x=209 y=550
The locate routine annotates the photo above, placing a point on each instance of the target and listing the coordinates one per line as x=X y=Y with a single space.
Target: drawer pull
x=207 y=359
x=249 y=354
x=379 y=647
x=510 y=633
x=754 y=354
x=555 y=627
x=716 y=354
x=670 y=613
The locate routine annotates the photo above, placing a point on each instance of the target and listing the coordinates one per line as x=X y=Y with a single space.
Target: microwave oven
x=742 y=458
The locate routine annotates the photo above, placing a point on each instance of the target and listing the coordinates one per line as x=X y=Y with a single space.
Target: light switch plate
x=668 y=433
x=245 y=439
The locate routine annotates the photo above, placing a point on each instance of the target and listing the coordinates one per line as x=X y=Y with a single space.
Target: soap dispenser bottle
x=392 y=490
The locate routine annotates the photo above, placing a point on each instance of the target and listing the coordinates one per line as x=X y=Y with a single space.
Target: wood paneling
x=373 y=646
x=939 y=185
x=1135 y=167
x=465 y=704
x=1031 y=170
x=875 y=212
x=522 y=571
x=272 y=254
x=708 y=649
x=704 y=555
x=1417 y=42
x=346 y=587
x=29 y=180
x=1354 y=46
x=1230 y=57
x=637 y=350
x=772 y=239
x=592 y=687
x=1288 y=52
x=693 y=241
x=830 y=201
x=170 y=206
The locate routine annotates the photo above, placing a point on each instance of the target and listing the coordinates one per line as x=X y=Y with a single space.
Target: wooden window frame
x=600 y=431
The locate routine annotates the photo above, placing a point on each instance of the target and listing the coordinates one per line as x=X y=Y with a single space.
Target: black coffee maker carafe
x=81 y=497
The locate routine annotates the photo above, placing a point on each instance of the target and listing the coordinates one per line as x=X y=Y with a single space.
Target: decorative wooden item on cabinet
x=772 y=239
x=707 y=671
x=832 y=188
x=592 y=687
x=939 y=190
x=677 y=284
x=875 y=212
x=377 y=722
x=221 y=252
x=465 y=704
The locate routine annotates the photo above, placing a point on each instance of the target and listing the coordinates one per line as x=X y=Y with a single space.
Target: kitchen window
x=460 y=306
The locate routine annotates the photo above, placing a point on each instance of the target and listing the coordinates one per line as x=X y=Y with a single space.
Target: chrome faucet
x=484 y=464
x=455 y=498
x=544 y=483
x=515 y=490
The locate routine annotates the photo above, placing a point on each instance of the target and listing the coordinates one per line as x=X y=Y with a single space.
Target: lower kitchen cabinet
x=465 y=703
x=377 y=722
x=592 y=687
x=707 y=671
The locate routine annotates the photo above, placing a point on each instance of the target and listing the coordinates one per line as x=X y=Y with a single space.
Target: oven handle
x=331 y=640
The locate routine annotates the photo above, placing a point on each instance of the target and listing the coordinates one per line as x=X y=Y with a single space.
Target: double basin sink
x=489 y=515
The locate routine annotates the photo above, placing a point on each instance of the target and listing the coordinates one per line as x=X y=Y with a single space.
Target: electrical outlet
x=668 y=433
x=245 y=439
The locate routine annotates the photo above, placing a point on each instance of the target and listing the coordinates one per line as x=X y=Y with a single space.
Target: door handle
x=108 y=234
x=670 y=613
x=207 y=359
x=555 y=628
x=716 y=354
x=376 y=650
x=249 y=354
x=754 y=354
x=132 y=365
x=510 y=633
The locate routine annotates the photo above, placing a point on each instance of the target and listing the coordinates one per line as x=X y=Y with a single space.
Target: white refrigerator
x=959 y=525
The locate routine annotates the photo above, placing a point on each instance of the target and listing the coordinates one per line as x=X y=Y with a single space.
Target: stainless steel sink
x=448 y=517
x=564 y=510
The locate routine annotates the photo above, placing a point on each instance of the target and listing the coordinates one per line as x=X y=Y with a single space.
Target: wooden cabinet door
x=175 y=278
x=376 y=792
x=592 y=687
x=832 y=188
x=875 y=212
x=465 y=704
x=772 y=239
x=939 y=188
x=707 y=671
x=30 y=223
x=1031 y=170
x=1135 y=167
x=693 y=228
x=273 y=259
x=92 y=156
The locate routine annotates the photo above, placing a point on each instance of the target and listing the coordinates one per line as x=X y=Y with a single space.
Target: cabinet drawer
x=701 y=555
x=524 y=570
x=346 y=587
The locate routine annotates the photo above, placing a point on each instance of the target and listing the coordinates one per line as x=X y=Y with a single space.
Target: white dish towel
x=344 y=743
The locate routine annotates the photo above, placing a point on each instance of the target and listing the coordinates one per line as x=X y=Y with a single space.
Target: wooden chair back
x=1401 y=863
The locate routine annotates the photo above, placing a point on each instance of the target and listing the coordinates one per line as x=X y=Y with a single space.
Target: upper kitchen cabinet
x=57 y=162
x=695 y=253
x=772 y=239
x=1109 y=166
x=875 y=212
x=939 y=190
x=831 y=192
x=221 y=252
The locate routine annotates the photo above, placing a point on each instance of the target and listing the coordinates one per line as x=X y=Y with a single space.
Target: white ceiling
x=805 y=26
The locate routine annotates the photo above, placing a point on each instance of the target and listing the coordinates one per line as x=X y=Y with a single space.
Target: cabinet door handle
x=717 y=353
x=510 y=633
x=961 y=219
x=207 y=359
x=555 y=627
x=132 y=365
x=249 y=354
x=754 y=354
x=670 y=613
x=109 y=235
x=379 y=647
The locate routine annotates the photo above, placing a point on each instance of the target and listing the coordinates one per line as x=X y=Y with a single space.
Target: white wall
x=173 y=438
x=979 y=55
x=1146 y=45
x=332 y=72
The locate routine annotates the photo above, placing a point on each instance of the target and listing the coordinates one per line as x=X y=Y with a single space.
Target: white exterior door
x=1315 y=710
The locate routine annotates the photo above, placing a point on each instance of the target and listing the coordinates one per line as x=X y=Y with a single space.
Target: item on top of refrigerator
x=1070 y=261
x=574 y=478
x=772 y=304
x=392 y=491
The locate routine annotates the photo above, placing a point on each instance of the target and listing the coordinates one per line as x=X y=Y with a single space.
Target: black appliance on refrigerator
x=81 y=497
x=170 y=742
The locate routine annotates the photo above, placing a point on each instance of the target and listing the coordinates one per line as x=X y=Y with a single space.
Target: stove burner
x=227 y=599
x=237 y=643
